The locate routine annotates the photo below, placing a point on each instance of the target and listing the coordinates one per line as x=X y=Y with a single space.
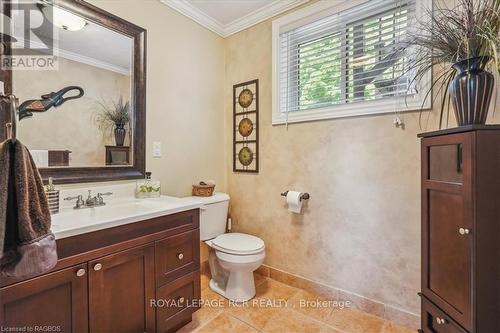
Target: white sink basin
x=71 y=222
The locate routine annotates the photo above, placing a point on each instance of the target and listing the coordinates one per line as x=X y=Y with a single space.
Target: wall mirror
x=94 y=64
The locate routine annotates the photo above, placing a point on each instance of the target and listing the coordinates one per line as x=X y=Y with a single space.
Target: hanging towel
x=28 y=246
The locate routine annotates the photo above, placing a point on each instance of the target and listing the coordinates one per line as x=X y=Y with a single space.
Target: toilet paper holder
x=304 y=196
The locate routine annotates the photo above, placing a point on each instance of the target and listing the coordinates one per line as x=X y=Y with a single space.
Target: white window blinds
x=348 y=57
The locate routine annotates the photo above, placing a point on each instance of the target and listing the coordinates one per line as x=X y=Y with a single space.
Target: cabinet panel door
x=447 y=231
x=57 y=300
x=121 y=287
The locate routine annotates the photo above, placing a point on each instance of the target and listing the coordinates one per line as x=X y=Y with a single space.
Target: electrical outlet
x=156 y=149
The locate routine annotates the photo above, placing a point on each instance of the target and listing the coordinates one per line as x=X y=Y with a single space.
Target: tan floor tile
x=311 y=304
x=213 y=304
x=291 y=321
x=259 y=279
x=205 y=279
x=354 y=321
x=225 y=323
x=275 y=291
x=394 y=328
x=209 y=294
x=200 y=317
x=254 y=313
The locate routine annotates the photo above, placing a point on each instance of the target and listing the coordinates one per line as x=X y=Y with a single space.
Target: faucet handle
x=79 y=201
x=100 y=200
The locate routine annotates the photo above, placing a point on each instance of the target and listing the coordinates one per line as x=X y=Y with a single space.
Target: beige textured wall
x=185 y=82
x=360 y=231
x=71 y=126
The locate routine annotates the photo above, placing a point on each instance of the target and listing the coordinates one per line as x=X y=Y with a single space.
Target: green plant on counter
x=149 y=189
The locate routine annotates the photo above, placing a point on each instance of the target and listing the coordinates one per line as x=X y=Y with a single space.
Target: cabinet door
x=447 y=224
x=121 y=287
x=55 y=302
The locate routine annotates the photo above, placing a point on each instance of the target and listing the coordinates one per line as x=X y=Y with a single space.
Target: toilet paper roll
x=294 y=202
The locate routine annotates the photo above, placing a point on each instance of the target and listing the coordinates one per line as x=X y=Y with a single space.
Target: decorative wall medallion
x=245 y=156
x=245 y=98
x=246 y=127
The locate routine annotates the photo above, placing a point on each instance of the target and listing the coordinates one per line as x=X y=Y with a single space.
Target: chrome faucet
x=90 y=202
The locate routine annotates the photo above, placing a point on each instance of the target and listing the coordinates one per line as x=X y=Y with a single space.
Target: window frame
x=316 y=12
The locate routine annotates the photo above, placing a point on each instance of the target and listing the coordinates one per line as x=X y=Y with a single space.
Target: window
x=333 y=61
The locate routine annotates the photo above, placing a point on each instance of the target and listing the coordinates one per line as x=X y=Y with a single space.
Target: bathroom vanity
x=132 y=267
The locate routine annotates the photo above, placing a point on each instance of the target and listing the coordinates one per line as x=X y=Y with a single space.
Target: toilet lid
x=238 y=243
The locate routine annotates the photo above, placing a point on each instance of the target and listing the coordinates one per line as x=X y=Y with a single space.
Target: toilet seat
x=238 y=244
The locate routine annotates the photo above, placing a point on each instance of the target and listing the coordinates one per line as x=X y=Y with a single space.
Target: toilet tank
x=213 y=215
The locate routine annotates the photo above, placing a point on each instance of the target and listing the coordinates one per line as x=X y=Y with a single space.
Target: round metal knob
x=180 y=256
x=440 y=321
x=97 y=267
x=180 y=300
x=80 y=272
x=463 y=231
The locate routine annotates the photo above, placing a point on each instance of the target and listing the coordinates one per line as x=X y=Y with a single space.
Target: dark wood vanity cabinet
x=120 y=287
x=56 y=300
x=461 y=230
x=111 y=281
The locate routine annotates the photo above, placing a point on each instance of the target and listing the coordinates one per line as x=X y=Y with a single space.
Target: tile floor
x=280 y=308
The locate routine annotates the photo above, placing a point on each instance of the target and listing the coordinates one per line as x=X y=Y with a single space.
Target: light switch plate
x=156 y=149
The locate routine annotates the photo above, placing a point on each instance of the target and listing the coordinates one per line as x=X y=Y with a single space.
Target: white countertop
x=70 y=222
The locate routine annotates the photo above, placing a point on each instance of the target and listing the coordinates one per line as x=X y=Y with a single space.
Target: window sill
x=382 y=106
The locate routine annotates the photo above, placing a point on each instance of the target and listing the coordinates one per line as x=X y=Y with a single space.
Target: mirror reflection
x=94 y=129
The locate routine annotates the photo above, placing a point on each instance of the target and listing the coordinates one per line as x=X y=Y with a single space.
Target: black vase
x=120 y=132
x=471 y=91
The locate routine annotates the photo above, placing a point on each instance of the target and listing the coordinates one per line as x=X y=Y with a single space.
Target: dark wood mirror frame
x=65 y=175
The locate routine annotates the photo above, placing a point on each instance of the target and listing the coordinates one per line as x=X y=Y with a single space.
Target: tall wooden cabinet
x=461 y=230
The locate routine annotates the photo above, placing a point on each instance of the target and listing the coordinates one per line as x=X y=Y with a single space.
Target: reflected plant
x=116 y=115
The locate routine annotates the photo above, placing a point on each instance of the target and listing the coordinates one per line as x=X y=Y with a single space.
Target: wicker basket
x=203 y=190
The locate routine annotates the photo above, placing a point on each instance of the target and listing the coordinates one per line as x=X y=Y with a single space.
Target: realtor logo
x=31 y=35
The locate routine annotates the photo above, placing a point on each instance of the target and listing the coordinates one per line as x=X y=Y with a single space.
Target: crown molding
x=190 y=11
x=224 y=30
x=263 y=13
x=58 y=52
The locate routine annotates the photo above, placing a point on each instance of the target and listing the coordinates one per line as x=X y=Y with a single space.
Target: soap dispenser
x=52 y=197
x=147 y=188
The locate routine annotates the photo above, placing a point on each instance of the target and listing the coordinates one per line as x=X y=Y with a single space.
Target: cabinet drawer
x=436 y=321
x=176 y=256
x=176 y=301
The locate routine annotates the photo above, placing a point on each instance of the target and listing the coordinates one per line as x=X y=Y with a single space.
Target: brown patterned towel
x=27 y=245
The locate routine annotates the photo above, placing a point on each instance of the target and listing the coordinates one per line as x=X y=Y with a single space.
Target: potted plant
x=115 y=118
x=464 y=40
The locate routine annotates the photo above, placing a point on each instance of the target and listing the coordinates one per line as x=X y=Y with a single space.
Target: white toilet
x=233 y=256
